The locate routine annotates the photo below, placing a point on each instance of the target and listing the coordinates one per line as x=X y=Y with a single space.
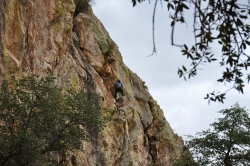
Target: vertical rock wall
x=41 y=36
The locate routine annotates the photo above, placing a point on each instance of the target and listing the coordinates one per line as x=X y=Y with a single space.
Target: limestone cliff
x=43 y=37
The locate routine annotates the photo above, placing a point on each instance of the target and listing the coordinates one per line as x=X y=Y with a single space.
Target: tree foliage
x=227 y=143
x=225 y=22
x=38 y=119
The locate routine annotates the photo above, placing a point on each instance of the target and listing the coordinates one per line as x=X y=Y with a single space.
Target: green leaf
x=184 y=68
x=241 y=65
x=172 y=23
x=169 y=6
x=220 y=80
x=185 y=6
x=243 y=16
x=185 y=46
x=247 y=42
x=220 y=42
x=180 y=72
x=134 y=2
x=172 y=6
x=244 y=45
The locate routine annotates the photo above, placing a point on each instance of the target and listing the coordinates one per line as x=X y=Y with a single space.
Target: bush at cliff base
x=40 y=121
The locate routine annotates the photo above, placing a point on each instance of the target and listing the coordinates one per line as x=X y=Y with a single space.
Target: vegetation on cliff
x=82 y=6
x=39 y=121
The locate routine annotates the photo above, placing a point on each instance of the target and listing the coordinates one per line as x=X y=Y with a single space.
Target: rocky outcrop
x=43 y=37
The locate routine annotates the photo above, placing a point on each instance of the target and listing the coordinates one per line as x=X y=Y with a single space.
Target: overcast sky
x=182 y=102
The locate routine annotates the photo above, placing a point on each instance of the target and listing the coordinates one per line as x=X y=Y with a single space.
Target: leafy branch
x=222 y=21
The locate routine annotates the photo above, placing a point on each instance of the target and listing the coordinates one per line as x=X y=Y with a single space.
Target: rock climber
x=119 y=88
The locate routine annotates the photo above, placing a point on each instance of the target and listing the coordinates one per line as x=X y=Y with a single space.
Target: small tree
x=228 y=143
x=38 y=119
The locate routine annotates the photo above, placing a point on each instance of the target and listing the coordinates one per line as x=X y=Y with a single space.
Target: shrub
x=82 y=6
x=38 y=119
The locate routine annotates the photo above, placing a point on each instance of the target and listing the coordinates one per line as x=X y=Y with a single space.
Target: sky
x=182 y=101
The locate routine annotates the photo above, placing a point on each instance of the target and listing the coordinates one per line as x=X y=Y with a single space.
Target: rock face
x=43 y=37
